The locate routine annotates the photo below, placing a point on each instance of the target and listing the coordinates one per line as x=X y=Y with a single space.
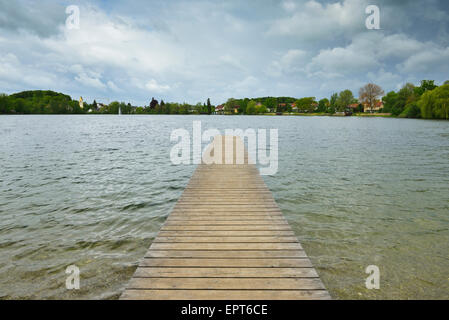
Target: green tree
x=323 y=104
x=262 y=109
x=405 y=96
x=113 y=107
x=4 y=107
x=435 y=104
x=271 y=103
x=333 y=103
x=306 y=104
x=426 y=85
x=230 y=105
x=390 y=101
x=209 y=106
x=251 y=108
x=243 y=105
x=345 y=98
x=412 y=110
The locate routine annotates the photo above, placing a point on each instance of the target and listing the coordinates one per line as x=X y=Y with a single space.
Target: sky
x=189 y=50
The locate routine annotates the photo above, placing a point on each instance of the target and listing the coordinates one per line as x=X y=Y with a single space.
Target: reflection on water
x=94 y=190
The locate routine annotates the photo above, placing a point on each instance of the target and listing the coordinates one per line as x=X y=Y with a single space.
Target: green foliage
x=4 y=105
x=345 y=98
x=307 y=104
x=251 y=108
x=323 y=104
x=390 y=101
x=405 y=96
x=412 y=110
x=435 y=104
x=38 y=102
x=426 y=85
x=262 y=109
x=209 y=106
x=230 y=105
x=333 y=103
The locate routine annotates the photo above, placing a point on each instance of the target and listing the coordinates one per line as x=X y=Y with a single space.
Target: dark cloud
x=188 y=50
x=39 y=17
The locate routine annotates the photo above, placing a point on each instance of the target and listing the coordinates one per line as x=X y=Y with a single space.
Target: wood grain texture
x=226 y=239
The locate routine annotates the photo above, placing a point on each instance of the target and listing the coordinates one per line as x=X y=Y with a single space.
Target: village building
x=378 y=105
x=219 y=109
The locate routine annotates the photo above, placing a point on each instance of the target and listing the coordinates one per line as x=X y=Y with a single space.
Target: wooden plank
x=133 y=294
x=228 y=214
x=266 y=218
x=225 y=246
x=236 y=262
x=227 y=283
x=226 y=239
x=253 y=254
x=274 y=239
x=231 y=233
x=276 y=227
x=225 y=272
x=226 y=223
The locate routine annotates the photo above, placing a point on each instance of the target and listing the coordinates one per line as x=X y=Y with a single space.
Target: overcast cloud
x=192 y=50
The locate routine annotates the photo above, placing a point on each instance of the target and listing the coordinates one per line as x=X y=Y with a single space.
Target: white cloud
x=315 y=21
x=154 y=86
x=372 y=51
x=293 y=61
x=89 y=81
x=432 y=60
x=189 y=51
x=289 y=5
x=112 y=86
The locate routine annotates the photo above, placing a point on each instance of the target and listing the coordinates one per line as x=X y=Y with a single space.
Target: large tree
x=333 y=102
x=390 y=101
x=426 y=85
x=251 y=107
x=4 y=108
x=435 y=104
x=369 y=95
x=306 y=104
x=209 y=106
x=345 y=98
x=323 y=104
x=405 y=96
x=153 y=104
x=230 y=105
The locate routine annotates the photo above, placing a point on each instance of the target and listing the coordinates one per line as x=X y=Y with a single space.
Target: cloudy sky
x=191 y=50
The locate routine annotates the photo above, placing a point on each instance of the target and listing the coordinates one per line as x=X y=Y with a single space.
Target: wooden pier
x=226 y=239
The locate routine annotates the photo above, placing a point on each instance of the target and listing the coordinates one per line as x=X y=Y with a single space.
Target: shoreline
x=360 y=115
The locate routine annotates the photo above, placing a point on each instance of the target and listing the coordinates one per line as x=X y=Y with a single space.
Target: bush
x=411 y=111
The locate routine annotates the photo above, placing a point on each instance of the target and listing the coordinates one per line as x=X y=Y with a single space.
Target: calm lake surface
x=94 y=190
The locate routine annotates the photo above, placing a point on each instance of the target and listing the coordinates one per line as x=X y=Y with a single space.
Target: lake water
x=94 y=190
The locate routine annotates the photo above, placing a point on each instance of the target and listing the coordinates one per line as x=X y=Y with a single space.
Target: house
x=353 y=107
x=294 y=107
x=219 y=109
x=378 y=105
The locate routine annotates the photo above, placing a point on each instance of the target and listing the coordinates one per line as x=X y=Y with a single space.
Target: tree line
x=428 y=101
